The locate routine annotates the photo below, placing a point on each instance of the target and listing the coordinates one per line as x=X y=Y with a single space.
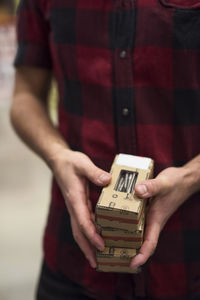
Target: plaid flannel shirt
x=128 y=74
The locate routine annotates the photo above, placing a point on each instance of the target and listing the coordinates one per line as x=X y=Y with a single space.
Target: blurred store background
x=24 y=184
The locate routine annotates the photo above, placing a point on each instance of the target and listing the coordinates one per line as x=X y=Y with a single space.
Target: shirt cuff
x=34 y=55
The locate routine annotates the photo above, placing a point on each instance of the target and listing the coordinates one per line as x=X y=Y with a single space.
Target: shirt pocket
x=186 y=22
x=181 y=4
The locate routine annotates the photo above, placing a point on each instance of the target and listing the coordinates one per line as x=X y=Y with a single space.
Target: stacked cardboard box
x=121 y=214
x=114 y=259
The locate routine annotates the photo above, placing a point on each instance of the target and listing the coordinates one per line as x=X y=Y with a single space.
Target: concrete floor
x=24 y=200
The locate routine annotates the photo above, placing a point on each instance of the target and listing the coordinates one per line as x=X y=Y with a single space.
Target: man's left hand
x=167 y=192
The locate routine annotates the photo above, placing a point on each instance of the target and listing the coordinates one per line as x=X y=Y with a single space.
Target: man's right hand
x=72 y=171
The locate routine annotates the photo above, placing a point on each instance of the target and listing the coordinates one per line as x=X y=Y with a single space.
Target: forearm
x=31 y=121
x=72 y=169
x=192 y=174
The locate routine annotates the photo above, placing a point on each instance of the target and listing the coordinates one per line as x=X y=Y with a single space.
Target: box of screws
x=120 y=213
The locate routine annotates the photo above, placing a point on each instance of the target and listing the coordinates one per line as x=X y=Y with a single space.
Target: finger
x=98 y=228
x=148 y=247
x=81 y=213
x=89 y=203
x=84 y=244
x=77 y=204
x=151 y=187
x=93 y=173
x=92 y=215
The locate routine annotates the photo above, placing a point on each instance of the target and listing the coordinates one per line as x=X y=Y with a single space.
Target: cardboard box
x=123 y=238
x=118 y=206
x=117 y=269
x=115 y=260
x=120 y=219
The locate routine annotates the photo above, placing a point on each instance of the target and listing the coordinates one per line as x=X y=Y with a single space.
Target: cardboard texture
x=119 y=222
x=121 y=214
x=118 y=206
x=123 y=238
x=117 y=269
x=115 y=260
x=115 y=255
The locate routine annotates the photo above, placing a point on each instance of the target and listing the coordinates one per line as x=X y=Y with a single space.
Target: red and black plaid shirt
x=128 y=74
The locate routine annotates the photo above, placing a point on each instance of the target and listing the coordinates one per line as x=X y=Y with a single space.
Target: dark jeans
x=57 y=287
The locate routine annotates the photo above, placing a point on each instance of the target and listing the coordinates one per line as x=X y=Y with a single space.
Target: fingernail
x=134 y=266
x=91 y=262
x=100 y=248
x=98 y=227
x=103 y=178
x=142 y=189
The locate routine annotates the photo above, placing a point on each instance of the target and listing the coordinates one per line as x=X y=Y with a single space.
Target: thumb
x=94 y=174
x=151 y=187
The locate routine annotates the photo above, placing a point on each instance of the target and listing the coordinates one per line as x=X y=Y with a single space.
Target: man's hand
x=72 y=171
x=167 y=192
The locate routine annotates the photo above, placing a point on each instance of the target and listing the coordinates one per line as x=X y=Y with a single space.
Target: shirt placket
x=124 y=24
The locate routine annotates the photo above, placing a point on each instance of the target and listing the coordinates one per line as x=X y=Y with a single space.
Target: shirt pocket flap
x=183 y=4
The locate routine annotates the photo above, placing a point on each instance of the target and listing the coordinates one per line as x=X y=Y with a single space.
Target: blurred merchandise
x=7 y=49
x=53 y=103
x=8 y=6
x=7 y=53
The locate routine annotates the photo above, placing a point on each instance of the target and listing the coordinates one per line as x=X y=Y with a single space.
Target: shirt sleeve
x=33 y=32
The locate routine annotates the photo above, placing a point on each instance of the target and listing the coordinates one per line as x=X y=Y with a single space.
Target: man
x=128 y=74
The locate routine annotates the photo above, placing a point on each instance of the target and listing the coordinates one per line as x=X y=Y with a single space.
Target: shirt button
x=123 y=54
x=125 y=111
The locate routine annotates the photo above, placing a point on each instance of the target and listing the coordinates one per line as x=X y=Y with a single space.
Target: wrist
x=58 y=153
x=192 y=176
